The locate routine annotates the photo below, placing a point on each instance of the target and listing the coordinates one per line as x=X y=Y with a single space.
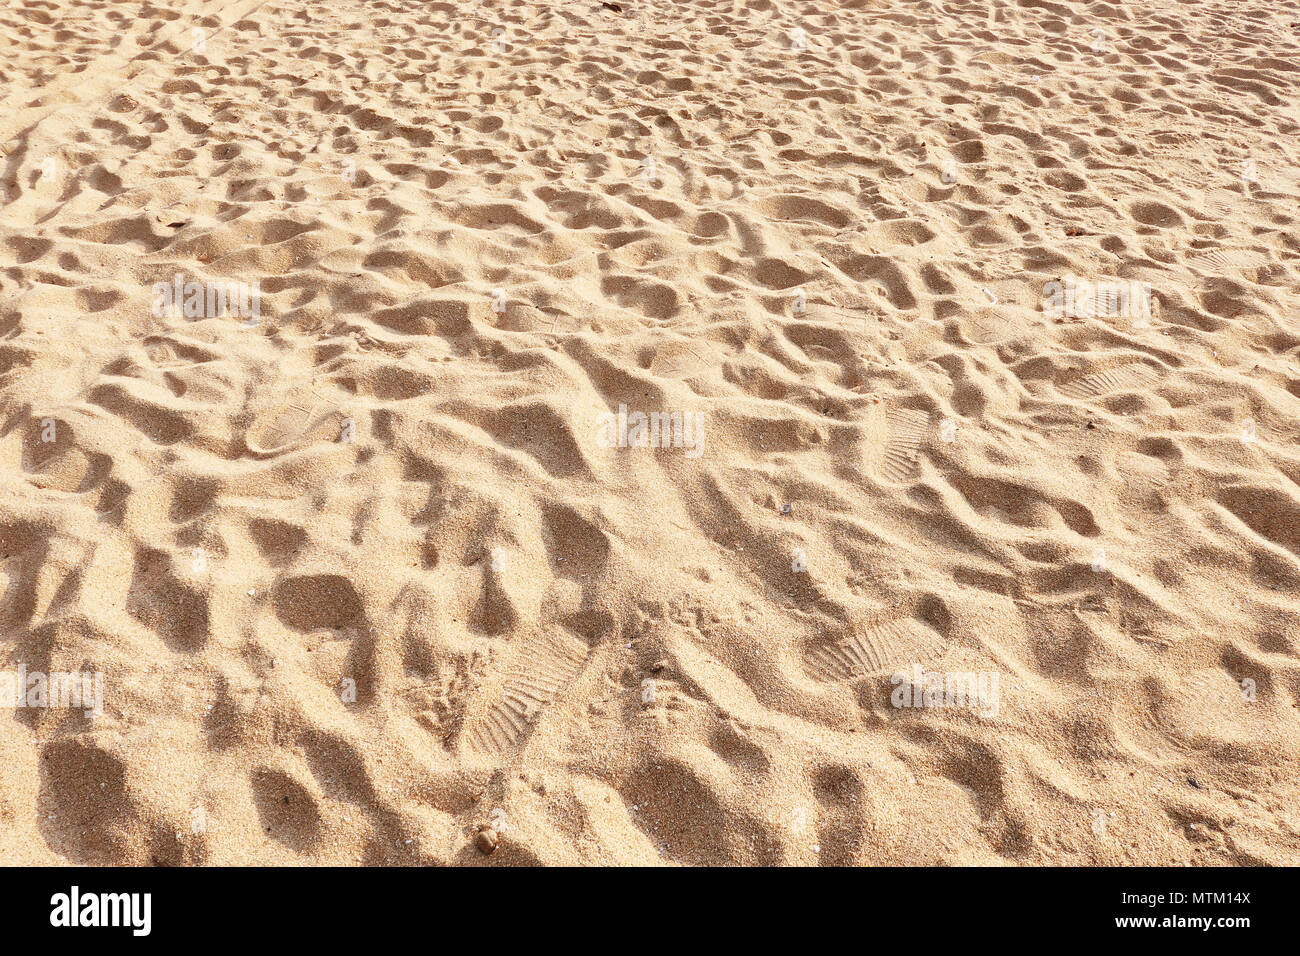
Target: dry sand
x=368 y=572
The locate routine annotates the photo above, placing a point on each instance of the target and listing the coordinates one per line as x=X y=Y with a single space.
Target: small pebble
x=786 y=509
x=486 y=840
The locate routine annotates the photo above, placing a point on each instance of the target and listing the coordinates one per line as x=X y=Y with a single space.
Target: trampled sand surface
x=699 y=432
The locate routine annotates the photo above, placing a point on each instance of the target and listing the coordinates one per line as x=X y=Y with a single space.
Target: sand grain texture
x=363 y=576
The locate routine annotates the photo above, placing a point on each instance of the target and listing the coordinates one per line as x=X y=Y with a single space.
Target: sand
x=377 y=558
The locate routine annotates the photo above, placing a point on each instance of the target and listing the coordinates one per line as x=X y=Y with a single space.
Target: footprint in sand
x=301 y=421
x=535 y=673
x=894 y=442
x=1134 y=375
x=881 y=646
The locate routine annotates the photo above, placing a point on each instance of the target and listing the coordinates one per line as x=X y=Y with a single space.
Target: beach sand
x=968 y=531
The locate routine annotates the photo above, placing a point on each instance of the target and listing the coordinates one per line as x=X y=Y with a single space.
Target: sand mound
x=590 y=421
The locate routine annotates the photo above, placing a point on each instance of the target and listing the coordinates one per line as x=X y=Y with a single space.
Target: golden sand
x=593 y=419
